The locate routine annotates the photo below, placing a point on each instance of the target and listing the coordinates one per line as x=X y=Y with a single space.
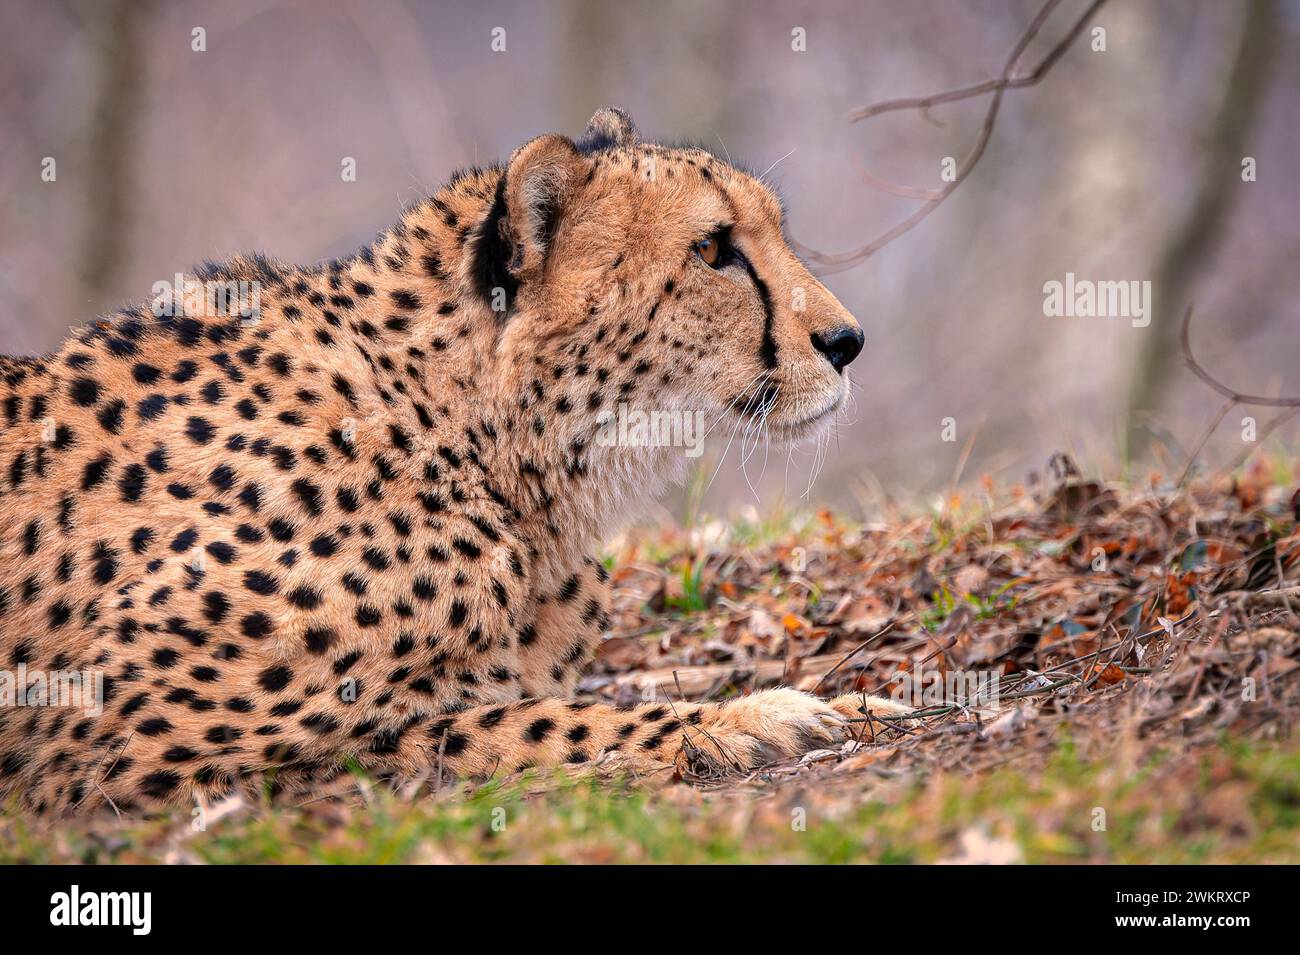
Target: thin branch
x=1006 y=81
x=96 y=779
x=1205 y=437
x=1261 y=437
x=894 y=188
x=1234 y=398
x=1239 y=397
x=830 y=263
x=852 y=653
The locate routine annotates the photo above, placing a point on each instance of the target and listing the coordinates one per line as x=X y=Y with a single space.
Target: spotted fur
x=354 y=527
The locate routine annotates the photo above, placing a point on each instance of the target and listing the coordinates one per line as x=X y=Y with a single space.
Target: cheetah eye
x=713 y=249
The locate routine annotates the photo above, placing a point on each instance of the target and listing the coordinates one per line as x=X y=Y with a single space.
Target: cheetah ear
x=608 y=128
x=542 y=177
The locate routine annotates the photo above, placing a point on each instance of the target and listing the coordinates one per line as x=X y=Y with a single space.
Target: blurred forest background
x=1120 y=165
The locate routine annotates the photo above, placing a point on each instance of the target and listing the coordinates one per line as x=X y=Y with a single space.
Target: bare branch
x=852 y=653
x=1261 y=437
x=893 y=188
x=1205 y=437
x=988 y=86
x=1234 y=398
x=830 y=263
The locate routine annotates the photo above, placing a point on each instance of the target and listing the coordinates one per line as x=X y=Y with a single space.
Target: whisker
x=740 y=419
x=757 y=380
x=757 y=430
x=777 y=163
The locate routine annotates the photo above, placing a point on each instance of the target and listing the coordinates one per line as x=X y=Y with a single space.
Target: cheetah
x=353 y=524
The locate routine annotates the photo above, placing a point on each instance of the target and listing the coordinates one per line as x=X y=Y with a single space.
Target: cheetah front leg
x=567 y=623
x=736 y=736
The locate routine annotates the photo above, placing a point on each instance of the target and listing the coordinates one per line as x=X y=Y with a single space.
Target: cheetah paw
x=761 y=728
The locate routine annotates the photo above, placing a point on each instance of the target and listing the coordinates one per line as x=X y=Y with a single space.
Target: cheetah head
x=658 y=276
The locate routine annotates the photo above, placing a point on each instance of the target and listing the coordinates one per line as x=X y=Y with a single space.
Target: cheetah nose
x=839 y=345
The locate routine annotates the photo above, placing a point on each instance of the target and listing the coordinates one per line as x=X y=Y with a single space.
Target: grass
x=693 y=598
x=1237 y=803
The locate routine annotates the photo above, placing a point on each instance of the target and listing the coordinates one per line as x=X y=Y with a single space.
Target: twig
x=96 y=778
x=1005 y=82
x=1234 y=398
x=845 y=659
x=1205 y=658
x=1205 y=436
x=1271 y=598
x=831 y=263
x=1238 y=397
x=442 y=750
x=1261 y=437
x=894 y=188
